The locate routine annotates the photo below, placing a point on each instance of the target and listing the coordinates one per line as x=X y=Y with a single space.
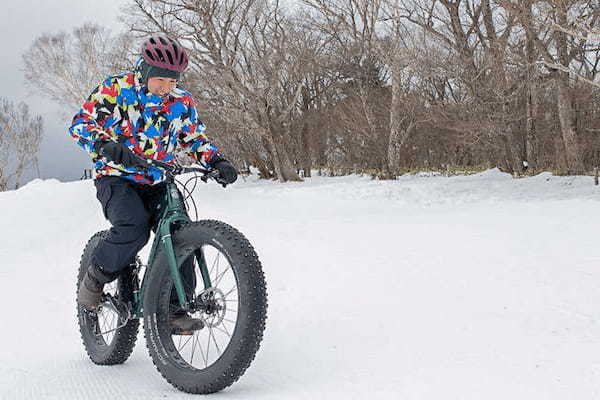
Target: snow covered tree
x=66 y=66
x=20 y=137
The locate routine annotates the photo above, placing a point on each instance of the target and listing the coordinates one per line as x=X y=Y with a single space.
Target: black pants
x=133 y=210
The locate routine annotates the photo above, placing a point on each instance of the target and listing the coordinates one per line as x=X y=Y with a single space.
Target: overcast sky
x=22 y=21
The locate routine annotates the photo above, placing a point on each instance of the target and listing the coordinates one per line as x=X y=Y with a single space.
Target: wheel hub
x=212 y=303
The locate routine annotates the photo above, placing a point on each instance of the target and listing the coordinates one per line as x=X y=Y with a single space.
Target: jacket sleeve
x=193 y=141
x=97 y=115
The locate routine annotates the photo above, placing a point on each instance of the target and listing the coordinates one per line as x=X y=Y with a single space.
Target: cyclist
x=144 y=114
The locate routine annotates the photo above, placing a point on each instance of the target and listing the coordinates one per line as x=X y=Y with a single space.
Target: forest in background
x=364 y=86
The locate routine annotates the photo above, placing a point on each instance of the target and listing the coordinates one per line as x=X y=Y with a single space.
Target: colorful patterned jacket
x=123 y=110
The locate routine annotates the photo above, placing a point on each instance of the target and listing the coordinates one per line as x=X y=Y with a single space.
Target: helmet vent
x=169 y=56
x=149 y=54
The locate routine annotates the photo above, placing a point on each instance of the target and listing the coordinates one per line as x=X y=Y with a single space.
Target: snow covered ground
x=478 y=287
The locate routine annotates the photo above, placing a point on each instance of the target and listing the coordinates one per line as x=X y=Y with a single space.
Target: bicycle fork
x=167 y=243
x=174 y=213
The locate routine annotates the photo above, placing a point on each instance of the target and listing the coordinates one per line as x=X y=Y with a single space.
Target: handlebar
x=174 y=170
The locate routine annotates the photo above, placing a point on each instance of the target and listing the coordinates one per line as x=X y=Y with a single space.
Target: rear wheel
x=233 y=309
x=107 y=339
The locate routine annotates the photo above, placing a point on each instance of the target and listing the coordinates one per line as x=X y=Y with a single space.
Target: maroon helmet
x=162 y=52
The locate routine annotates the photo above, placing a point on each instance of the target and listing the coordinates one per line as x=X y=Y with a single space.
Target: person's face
x=161 y=86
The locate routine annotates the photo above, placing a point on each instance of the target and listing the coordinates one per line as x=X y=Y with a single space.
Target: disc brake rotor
x=213 y=306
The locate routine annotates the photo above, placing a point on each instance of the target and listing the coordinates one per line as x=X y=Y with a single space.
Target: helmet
x=163 y=52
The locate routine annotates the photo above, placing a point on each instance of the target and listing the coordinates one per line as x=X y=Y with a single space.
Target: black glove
x=227 y=172
x=119 y=154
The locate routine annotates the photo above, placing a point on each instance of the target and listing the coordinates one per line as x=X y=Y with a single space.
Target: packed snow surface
x=428 y=287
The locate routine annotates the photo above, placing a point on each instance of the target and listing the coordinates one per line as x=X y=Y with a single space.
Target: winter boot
x=182 y=323
x=90 y=288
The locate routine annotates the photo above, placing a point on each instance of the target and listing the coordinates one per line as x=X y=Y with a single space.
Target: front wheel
x=233 y=310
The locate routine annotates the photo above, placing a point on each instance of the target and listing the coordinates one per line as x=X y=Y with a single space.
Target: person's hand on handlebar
x=227 y=172
x=119 y=154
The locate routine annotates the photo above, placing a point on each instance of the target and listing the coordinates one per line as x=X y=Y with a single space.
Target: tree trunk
x=305 y=134
x=396 y=139
x=531 y=150
x=565 y=106
x=283 y=165
x=306 y=156
x=37 y=167
x=3 y=181
x=561 y=158
x=511 y=161
x=19 y=173
x=532 y=101
x=268 y=145
x=565 y=115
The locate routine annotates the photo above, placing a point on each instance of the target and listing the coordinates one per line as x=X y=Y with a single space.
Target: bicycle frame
x=173 y=212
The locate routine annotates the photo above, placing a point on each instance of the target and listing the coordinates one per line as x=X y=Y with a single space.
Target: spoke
x=202 y=352
x=230 y=290
x=228 y=320
x=109 y=317
x=112 y=321
x=218 y=259
x=229 y=309
x=193 y=348
x=207 y=350
x=220 y=277
x=226 y=330
x=215 y=262
x=112 y=326
x=223 y=331
x=104 y=322
x=185 y=343
x=214 y=340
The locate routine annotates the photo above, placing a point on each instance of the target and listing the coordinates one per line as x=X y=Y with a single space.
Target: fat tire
x=123 y=342
x=252 y=313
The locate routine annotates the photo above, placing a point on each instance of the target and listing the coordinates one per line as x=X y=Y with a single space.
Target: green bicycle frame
x=173 y=213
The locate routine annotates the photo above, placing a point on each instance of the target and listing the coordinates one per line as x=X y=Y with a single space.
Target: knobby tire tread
x=251 y=267
x=124 y=339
